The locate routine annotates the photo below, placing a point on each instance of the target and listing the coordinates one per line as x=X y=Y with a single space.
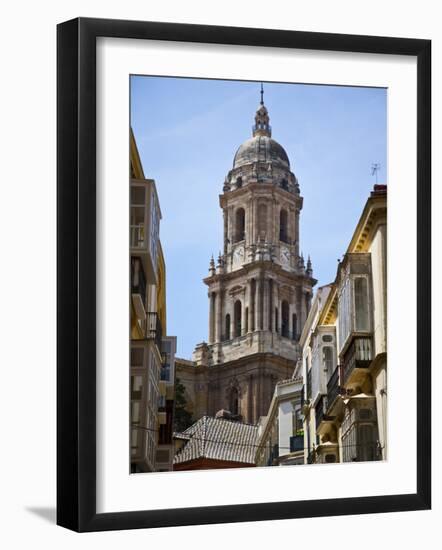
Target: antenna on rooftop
x=375 y=167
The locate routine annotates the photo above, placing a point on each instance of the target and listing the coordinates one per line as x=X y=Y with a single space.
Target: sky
x=187 y=132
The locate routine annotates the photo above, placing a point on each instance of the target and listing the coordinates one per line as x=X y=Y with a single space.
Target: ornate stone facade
x=259 y=290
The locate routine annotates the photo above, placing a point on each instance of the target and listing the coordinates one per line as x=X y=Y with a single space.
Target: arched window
x=240 y=224
x=285 y=319
x=361 y=304
x=262 y=221
x=239 y=181
x=328 y=360
x=227 y=331
x=295 y=326
x=234 y=401
x=283 y=221
x=237 y=317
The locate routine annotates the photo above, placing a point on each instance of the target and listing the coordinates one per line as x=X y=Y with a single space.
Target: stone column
x=266 y=305
x=244 y=312
x=251 y=307
x=258 y=304
x=218 y=317
x=212 y=298
x=296 y=236
x=275 y=305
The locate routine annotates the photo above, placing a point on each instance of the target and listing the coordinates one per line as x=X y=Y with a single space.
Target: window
x=237 y=312
x=283 y=223
x=295 y=326
x=136 y=387
x=240 y=225
x=137 y=215
x=297 y=422
x=361 y=304
x=234 y=401
x=136 y=357
x=227 y=326
x=327 y=338
x=328 y=360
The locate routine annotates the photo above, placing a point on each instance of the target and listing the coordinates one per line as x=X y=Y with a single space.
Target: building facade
x=147 y=320
x=344 y=357
x=281 y=432
x=259 y=289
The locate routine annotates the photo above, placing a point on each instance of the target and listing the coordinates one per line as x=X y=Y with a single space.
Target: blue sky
x=187 y=132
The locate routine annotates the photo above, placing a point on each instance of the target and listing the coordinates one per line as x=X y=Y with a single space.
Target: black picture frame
x=76 y=273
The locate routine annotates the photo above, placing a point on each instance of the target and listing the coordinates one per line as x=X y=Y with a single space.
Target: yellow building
x=147 y=277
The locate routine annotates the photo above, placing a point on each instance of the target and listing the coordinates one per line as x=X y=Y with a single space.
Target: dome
x=261 y=149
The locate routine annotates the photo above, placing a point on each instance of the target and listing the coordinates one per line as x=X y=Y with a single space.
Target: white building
x=281 y=434
x=344 y=354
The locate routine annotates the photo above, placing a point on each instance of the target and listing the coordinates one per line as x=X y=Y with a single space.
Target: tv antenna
x=375 y=167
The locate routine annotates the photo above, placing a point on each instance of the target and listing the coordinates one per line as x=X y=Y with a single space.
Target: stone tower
x=260 y=288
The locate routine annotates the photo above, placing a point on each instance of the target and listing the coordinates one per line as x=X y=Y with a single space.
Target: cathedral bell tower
x=259 y=288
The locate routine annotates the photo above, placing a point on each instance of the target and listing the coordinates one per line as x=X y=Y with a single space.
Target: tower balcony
x=251 y=342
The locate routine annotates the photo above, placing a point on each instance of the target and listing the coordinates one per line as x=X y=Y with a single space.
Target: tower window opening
x=227 y=327
x=262 y=221
x=234 y=401
x=283 y=222
x=285 y=319
x=295 y=326
x=240 y=224
x=237 y=317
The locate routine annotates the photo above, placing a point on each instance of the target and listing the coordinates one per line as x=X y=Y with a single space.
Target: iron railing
x=296 y=443
x=320 y=410
x=333 y=389
x=358 y=356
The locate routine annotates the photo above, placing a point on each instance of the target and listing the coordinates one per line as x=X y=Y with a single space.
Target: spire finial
x=262 y=121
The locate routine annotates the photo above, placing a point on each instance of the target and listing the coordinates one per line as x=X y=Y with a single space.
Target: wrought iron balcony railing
x=333 y=388
x=296 y=443
x=358 y=356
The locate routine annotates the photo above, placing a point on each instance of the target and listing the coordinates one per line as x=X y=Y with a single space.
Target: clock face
x=285 y=256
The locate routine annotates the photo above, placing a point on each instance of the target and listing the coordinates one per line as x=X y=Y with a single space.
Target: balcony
x=321 y=412
x=154 y=329
x=357 y=358
x=296 y=443
x=333 y=389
